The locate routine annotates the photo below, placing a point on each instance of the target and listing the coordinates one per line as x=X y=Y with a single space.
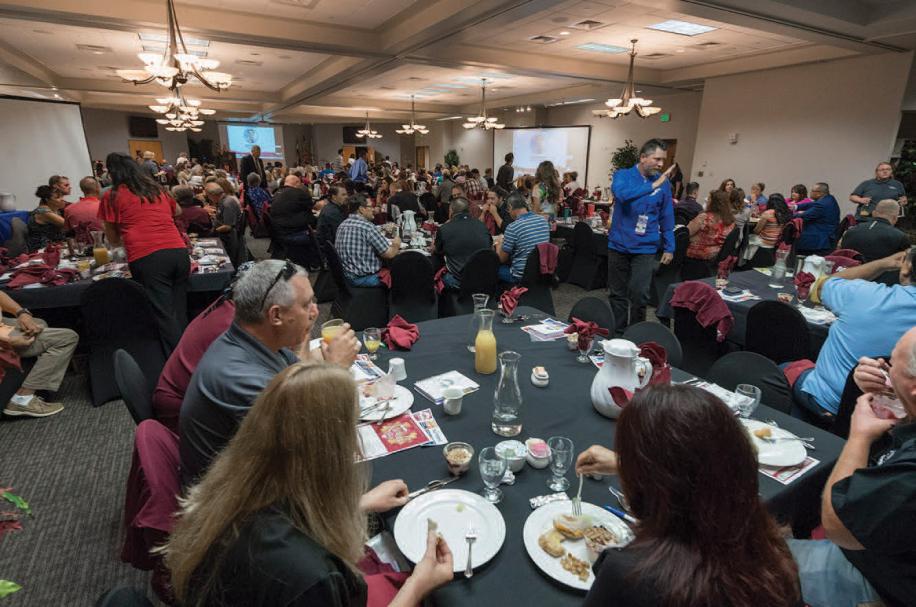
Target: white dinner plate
x=780 y=453
x=452 y=510
x=541 y=520
x=403 y=400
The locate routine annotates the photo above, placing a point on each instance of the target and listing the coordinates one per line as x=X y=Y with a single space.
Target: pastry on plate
x=570 y=526
x=765 y=432
x=551 y=542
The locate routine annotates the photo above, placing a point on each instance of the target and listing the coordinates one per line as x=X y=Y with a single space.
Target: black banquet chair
x=540 y=286
x=647 y=330
x=778 y=331
x=589 y=269
x=413 y=294
x=117 y=315
x=134 y=386
x=668 y=274
x=480 y=275
x=594 y=310
x=752 y=368
x=360 y=306
x=699 y=344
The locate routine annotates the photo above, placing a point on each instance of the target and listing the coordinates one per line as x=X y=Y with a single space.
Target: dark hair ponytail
x=44 y=193
x=124 y=170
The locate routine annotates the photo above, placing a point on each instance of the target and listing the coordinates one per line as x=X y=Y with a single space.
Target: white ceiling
x=365 y=14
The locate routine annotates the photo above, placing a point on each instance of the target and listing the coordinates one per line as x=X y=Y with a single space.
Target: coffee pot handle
x=644 y=368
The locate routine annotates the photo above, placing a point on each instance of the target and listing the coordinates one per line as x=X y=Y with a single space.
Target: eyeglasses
x=286 y=272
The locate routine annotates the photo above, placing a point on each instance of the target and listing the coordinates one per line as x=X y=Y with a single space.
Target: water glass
x=492 y=469
x=749 y=391
x=561 y=457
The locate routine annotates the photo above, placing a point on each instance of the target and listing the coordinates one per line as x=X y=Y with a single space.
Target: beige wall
x=829 y=122
x=106 y=132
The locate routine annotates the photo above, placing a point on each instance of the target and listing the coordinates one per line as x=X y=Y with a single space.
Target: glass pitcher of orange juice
x=99 y=248
x=485 y=343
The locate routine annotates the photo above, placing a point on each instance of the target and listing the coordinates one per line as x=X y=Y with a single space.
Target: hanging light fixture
x=368 y=131
x=629 y=99
x=175 y=65
x=180 y=114
x=413 y=127
x=481 y=120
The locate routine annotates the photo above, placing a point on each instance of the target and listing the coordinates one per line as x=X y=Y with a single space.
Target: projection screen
x=566 y=147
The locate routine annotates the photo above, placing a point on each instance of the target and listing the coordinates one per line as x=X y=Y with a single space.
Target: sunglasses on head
x=286 y=272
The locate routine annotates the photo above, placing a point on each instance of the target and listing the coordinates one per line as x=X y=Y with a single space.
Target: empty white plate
x=779 y=453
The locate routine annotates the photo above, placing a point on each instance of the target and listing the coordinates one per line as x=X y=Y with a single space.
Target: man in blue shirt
x=643 y=215
x=359 y=172
x=821 y=219
x=526 y=231
x=871 y=317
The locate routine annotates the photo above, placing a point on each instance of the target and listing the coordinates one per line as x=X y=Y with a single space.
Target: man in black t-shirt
x=877 y=238
x=870 y=192
x=505 y=178
x=869 y=504
x=458 y=239
x=291 y=211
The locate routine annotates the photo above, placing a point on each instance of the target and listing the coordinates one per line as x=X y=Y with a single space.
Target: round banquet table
x=563 y=408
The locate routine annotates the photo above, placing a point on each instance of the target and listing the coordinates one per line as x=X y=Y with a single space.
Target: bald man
x=877 y=238
x=252 y=163
x=291 y=212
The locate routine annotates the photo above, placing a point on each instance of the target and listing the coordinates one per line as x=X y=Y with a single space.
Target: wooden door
x=422 y=156
x=146 y=145
x=671 y=153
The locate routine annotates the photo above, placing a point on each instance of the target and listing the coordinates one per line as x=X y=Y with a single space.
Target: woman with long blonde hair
x=547 y=192
x=279 y=518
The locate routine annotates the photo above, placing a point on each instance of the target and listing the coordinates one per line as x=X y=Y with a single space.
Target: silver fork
x=804 y=441
x=577 y=501
x=471 y=537
x=385 y=412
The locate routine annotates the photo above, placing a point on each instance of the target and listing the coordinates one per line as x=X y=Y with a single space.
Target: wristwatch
x=22 y=311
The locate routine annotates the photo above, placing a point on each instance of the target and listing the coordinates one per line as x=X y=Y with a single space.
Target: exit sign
x=666 y=117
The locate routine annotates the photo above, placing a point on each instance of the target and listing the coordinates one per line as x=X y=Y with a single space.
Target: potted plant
x=623 y=158
x=451 y=158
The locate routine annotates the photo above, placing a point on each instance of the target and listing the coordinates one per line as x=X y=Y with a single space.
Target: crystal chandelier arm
x=137 y=82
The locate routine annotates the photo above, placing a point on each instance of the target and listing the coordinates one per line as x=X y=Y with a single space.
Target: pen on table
x=621 y=514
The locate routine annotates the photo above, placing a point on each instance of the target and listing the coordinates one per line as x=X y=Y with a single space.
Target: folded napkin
x=707 y=304
x=430 y=227
x=657 y=355
x=51 y=256
x=41 y=273
x=586 y=331
x=803 y=282
x=437 y=279
x=620 y=396
x=850 y=253
x=726 y=265
x=509 y=299
x=793 y=370
x=400 y=334
x=385 y=276
x=548 y=253
x=840 y=262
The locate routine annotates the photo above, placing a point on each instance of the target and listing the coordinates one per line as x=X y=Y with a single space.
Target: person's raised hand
x=384 y=496
x=865 y=423
x=435 y=568
x=342 y=349
x=596 y=460
x=870 y=375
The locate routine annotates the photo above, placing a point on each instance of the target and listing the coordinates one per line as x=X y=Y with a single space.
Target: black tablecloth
x=758 y=283
x=68 y=295
x=563 y=408
x=566 y=232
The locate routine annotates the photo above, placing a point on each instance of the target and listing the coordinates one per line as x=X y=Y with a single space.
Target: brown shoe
x=36 y=407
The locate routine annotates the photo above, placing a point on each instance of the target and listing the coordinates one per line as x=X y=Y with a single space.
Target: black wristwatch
x=22 y=311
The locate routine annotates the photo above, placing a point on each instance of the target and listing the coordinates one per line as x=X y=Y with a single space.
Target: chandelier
x=368 y=131
x=481 y=120
x=180 y=114
x=628 y=100
x=176 y=66
x=413 y=127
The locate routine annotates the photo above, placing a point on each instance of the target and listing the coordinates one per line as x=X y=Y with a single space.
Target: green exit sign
x=666 y=117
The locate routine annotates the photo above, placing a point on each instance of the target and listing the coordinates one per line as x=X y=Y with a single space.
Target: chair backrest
x=778 y=331
x=412 y=279
x=648 y=330
x=19 y=238
x=681 y=242
x=699 y=344
x=752 y=368
x=480 y=274
x=117 y=309
x=133 y=386
x=582 y=239
x=532 y=274
x=335 y=267
x=594 y=310
x=730 y=246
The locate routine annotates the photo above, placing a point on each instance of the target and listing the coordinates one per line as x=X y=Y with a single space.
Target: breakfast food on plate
x=551 y=543
x=575 y=566
x=763 y=432
x=597 y=538
x=570 y=526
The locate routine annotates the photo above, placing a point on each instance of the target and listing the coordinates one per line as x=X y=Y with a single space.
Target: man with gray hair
x=458 y=239
x=275 y=310
x=513 y=246
x=868 y=502
x=252 y=163
x=821 y=219
x=877 y=238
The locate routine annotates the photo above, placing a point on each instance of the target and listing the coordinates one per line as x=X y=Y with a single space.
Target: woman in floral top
x=708 y=230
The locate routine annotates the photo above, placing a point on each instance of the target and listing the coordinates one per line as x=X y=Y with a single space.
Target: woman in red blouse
x=708 y=230
x=139 y=214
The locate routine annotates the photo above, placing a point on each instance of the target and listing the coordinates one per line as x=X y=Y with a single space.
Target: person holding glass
x=280 y=517
x=689 y=474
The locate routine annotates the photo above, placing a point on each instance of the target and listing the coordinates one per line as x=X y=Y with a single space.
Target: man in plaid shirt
x=473 y=187
x=361 y=245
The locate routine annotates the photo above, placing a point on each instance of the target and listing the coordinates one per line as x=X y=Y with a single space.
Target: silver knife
x=431 y=486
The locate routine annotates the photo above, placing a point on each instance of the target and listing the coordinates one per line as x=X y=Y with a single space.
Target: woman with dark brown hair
x=709 y=229
x=704 y=538
x=727 y=186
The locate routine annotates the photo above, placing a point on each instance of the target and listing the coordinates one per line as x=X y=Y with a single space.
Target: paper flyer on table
x=363 y=369
x=433 y=387
x=396 y=434
x=789 y=474
x=547 y=330
x=431 y=426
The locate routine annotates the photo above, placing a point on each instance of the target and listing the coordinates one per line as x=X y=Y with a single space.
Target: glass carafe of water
x=480 y=303
x=778 y=271
x=507 y=401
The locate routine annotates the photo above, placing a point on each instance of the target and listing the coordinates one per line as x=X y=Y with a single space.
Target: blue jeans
x=505 y=275
x=451 y=281
x=827 y=578
x=372 y=280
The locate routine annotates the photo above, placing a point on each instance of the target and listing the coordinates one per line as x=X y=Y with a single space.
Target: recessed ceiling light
x=564 y=33
x=684 y=28
x=597 y=47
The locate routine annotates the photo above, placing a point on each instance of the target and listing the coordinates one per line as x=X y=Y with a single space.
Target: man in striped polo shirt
x=526 y=231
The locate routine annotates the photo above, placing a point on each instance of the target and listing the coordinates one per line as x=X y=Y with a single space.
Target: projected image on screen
x=565 y=147
x=241 y=137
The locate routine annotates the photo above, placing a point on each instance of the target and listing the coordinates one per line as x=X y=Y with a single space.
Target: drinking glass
x=492 y=469
x=752 y=392
x=331 y=328
x=584 y=346
x=561 y=456
x=372 y=338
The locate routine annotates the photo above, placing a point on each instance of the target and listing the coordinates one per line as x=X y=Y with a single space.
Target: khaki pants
x=54 y=348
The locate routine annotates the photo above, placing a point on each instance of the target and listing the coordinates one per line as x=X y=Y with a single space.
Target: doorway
x=356 y=149
x=422 y=156
x=146 y=145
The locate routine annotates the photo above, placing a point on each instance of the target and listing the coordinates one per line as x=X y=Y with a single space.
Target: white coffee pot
x=623 y=368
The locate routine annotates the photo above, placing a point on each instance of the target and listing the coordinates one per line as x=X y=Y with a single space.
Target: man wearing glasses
x=275 y=310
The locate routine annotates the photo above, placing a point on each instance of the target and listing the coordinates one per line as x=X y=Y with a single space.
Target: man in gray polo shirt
x=274 y=313
x=871 y=192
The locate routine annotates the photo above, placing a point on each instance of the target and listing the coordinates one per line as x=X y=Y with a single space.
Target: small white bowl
x=515 y=454
x=534 y=461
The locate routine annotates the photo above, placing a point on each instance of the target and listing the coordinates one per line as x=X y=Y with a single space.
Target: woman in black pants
x=140 y=214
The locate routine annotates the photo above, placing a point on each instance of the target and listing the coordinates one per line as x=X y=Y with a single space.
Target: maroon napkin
x=586 y=330
x=548 y=253
x=794 y=369
x=41 y=273
x=490 y=223
x=803 y=282
x=840 y=262
x=726 y=265
x=848 y=253
x=431 y=227
x=385 y=276
x=658 y=356
x=707 y=304
x=620 y=396
x=400 y=334
x=509 y=299
x=604 y=216
x=51 y=256
x=437 y=279
x=784 y=246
